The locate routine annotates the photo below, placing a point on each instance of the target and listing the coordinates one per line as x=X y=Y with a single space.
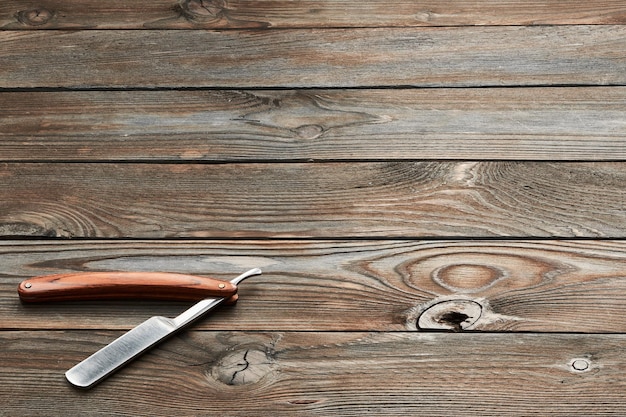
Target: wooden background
x=434 y=191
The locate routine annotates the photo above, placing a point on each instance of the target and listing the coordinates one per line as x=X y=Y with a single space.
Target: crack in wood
x=245 y=365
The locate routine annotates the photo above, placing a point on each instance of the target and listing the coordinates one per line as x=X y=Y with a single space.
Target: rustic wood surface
x=370 y=57
x=358 y=199
x=251 y=125
x=321 y=374
x=372 y=285
x=255 y=14
x=433 y=190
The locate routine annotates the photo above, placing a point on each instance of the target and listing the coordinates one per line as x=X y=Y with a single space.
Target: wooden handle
x=123 y=285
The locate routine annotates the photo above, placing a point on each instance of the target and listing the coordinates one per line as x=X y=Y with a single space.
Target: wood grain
x=452 y=57
x=310 y=374
x=239 y=125
x=420 y=183
x=369 y=285
x=172 y=14
x=329 y=200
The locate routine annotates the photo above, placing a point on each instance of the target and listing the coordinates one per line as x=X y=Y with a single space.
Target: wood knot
x=456 y=315
x=425 y=16
x=309 y=131
x=243 y=367
x=202 y=10
x=580 y=365
x=35 y=17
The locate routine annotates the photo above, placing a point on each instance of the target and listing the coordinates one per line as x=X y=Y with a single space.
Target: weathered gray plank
x=521 y=123
x=348 y=374
x=465 y=56
x=329 y=200
x=134 y=14
x=547 y=286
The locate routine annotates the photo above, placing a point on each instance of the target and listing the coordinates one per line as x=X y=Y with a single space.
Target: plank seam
x=7 y=239
x=301 y=88
x=296 y=27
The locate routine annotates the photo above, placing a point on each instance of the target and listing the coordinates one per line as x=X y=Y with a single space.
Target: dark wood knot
x=35 y=17
x=202 y=10
x=455 y=315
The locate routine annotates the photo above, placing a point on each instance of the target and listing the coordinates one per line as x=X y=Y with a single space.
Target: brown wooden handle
x=122 y=285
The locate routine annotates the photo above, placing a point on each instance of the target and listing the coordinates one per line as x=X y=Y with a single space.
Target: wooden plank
x=233 y=125
x=320 y=200
x=348 y=374
x=171 y=14
x=541 y=286
x=453 y=57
